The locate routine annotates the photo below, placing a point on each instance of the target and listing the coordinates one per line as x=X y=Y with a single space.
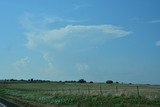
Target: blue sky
x=96 y=40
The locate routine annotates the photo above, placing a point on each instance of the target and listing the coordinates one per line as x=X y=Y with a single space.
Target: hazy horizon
x=96 y=40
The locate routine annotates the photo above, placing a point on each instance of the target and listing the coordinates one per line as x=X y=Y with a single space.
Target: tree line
x=42 y=81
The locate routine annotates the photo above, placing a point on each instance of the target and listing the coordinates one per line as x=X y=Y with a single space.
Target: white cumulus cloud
x=48 y=40
x=21 y=64
x=81 y=67
x=158 y=43
x=49 y=19
x=58 y=38
x=38 y=22
x=50 y=64
x=154 y=21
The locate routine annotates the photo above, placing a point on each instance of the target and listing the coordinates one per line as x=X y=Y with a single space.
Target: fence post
x=56 y=91
x=100 y=88
x=116 y=89
x=88 y=91
x=78 y=90
x=62 y=91
x=69 y=91
x=138 y=91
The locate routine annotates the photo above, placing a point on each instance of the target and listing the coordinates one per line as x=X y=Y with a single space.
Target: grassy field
x=83 y=95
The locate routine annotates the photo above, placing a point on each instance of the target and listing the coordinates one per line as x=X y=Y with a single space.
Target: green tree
x=81 y=81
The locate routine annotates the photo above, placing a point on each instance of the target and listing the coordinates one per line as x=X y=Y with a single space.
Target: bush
x=91 y=82
x=109 y=82
x=82 y=81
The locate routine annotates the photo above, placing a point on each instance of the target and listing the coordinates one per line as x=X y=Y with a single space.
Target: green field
x=82 y=95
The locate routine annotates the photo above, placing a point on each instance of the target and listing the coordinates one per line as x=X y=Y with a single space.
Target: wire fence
x=149 y=92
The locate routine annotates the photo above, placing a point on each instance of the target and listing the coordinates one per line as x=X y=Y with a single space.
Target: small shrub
x=109 y=82
x=91 y=82
x=82 y=81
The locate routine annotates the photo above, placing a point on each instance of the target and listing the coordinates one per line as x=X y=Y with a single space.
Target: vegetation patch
x=80 y=95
